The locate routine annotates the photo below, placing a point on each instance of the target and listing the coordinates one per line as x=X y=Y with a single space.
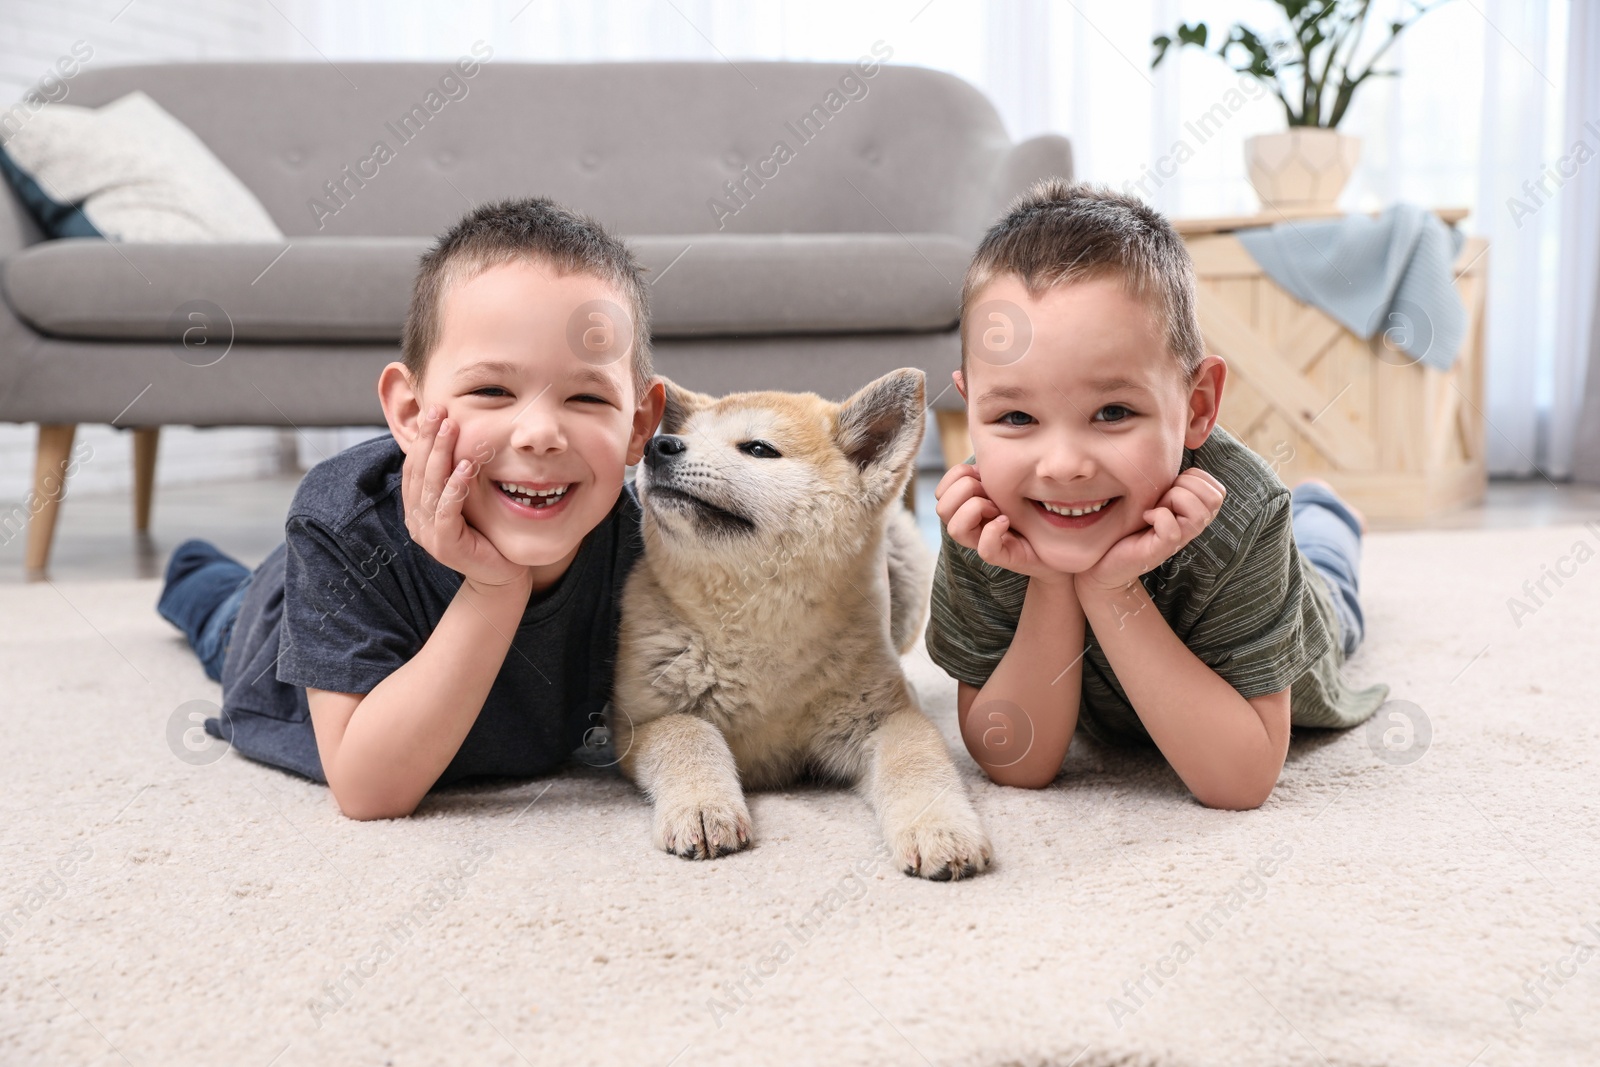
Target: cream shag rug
x=1375 y=911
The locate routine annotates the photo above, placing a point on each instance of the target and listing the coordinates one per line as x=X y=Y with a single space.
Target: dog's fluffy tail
x=910 y=578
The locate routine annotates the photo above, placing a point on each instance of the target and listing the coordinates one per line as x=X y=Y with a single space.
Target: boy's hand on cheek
x=975 y=522
x=434 y=487
x=1183 y=511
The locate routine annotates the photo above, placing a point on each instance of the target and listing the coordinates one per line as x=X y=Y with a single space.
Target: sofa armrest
x=1048 y=155
x=17 y=228
x=17 y=339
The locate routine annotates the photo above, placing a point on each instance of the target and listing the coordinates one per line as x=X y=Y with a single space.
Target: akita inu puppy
x=762 y=628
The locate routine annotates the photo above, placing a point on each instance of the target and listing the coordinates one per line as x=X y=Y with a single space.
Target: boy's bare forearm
x=405 y=732
x=1033 y=691
x=1214 y=738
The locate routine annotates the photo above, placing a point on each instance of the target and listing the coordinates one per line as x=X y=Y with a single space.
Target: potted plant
x=1312 y=70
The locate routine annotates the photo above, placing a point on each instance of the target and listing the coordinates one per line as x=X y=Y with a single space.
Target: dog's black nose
x=662 y=448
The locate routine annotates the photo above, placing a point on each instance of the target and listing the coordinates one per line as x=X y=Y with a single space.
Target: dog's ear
x=880 y=430
x=681 y=403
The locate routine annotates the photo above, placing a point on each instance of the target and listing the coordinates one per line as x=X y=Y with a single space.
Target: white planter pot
x=1304 y=168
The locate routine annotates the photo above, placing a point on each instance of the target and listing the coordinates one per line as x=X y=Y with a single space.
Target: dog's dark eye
x=760 y=450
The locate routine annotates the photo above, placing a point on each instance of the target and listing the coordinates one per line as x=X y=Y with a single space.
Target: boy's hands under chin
x=975 y=522
x=433 y=492
x=1182 y=512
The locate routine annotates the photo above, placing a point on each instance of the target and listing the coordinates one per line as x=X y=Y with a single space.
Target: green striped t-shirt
x=1240 y=596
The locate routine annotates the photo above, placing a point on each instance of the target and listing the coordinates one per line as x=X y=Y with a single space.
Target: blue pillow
x=54 y=218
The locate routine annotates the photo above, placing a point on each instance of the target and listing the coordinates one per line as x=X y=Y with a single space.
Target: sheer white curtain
x=1532 y=394
x=1482 y=108
x=1578 y=329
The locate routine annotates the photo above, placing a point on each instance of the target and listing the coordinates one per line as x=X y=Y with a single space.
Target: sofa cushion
x=136 y=173
x=343 y=289
x=357 y=288
x=717 y=284
x=54 y=218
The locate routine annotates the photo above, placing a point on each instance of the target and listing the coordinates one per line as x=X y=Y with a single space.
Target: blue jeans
x=201 y=596
x=1328 y=534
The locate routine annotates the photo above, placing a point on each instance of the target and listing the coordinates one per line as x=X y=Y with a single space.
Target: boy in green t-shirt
x=1121 y=563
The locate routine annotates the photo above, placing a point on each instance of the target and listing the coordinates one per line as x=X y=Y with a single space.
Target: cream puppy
x=763 y=627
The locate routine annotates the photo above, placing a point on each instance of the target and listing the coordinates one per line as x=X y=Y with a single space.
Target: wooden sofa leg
x=49 y=483
x=953 y=437
x=145 y=439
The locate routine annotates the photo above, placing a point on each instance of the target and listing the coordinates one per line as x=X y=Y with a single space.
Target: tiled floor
x=95 y=539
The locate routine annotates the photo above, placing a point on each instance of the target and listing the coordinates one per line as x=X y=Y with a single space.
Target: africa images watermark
x=51 y=88
x=1251 y=888
x=1201 y=129
x=1538 y=591
x=851 y=86
x=15 y=519
x=441 y=890
x=343 y=189
x=48 y=887
x=848 y=890
x=1539 y=991
x=1553 y=177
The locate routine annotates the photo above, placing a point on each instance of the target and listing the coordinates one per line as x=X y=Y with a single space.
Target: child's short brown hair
x=1061 y=231
x=534 y=229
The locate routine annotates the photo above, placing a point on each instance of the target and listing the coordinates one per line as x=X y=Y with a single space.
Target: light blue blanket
x=1392 y=274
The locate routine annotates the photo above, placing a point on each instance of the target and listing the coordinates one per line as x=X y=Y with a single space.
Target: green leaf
x=1186 y=35
x=1317 y=28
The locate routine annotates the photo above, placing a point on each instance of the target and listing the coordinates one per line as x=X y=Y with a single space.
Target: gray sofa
x=819 y=270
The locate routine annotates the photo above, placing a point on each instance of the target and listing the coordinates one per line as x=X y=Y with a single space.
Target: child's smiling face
x=532 y=411
x=1092 y=418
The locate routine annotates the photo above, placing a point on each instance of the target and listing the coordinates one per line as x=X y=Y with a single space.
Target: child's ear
x=402 y=404
x=680 y=404
x=645 y=419
x=880 y=430
x=1205 y=400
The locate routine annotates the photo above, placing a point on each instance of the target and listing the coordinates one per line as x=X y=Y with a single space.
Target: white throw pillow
x=138 y=173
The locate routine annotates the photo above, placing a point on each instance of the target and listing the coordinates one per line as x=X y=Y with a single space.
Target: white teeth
x=1074 y=511
x=533 y=498
x=514 y=489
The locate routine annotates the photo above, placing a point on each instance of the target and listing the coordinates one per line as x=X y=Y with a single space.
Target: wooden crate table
x=1400 y=440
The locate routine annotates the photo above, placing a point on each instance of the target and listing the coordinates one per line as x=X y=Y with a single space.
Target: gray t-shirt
x=1240 y=596
x=348 y=598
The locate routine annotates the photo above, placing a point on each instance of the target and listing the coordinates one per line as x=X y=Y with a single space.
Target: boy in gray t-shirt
x=445 y=602
x=1111 y=558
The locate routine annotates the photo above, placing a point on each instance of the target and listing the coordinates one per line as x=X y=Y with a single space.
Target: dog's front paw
x=703 y=831
x=944 y=842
